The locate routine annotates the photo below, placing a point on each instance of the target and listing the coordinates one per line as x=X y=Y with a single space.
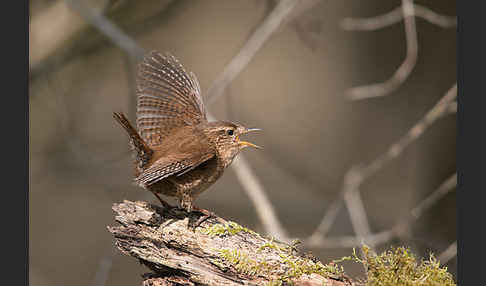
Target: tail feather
x=143 y=153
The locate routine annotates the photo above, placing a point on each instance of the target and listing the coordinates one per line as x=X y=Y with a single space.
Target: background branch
x=356 y=175
x=444 y=188
x=254 y=43
x=107 y=28
x=373 y=239
x=395 y=16
x=408 y=11
x=401 y=74
x=449 y=253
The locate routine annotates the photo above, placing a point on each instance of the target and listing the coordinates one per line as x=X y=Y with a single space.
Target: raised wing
x=168 y=98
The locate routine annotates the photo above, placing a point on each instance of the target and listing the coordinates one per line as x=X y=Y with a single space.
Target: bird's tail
x=143 y=153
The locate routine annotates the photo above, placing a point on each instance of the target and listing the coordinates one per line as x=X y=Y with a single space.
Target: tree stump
x=217 y=252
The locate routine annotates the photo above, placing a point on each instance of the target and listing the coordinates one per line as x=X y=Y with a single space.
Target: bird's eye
x=230 y=132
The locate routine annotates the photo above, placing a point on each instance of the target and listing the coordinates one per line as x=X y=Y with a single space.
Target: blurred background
x=298 y=87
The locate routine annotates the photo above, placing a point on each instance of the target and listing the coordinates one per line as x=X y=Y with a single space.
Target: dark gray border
x=14 y=31
x=471 y=142
x=14 y=117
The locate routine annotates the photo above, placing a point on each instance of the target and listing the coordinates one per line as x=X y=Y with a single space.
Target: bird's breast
x=203 y=176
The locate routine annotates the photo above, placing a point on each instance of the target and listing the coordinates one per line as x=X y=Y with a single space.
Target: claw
x=206 y=215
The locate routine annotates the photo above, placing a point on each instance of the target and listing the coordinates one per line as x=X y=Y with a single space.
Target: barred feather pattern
x=168 y=98
x=157 y=172
x=150 y=177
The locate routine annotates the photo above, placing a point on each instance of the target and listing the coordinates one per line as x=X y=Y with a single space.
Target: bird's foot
x=206 y=215
x=164 y=203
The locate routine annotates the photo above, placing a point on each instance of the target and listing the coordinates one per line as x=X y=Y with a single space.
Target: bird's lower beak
x=244 y=144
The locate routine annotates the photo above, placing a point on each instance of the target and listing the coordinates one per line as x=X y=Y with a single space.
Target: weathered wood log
x=217 y=252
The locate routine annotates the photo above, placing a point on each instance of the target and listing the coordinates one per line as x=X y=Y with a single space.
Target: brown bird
x=177 y=152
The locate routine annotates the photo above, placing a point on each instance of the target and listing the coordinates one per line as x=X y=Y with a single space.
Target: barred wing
x=166 y=167
x=168 y=97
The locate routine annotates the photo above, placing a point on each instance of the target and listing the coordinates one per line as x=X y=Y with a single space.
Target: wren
x=177 y=152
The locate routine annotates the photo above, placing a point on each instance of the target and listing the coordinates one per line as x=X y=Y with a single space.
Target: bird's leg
x=164 y=203
x=186 y=203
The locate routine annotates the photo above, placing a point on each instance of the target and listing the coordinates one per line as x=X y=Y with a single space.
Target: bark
x=217 y=252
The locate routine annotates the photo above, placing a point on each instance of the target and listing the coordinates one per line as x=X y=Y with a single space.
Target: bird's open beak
x=244 y=144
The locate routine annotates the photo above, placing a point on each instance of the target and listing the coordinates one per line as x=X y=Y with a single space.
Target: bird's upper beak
x=244 y=144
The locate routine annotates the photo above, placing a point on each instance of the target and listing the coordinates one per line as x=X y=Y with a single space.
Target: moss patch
x=284 y=269
x=231 y=228
x=395 y=267
x=298 y=266
x=243 y=263
x=399 y=266
x=272 y=244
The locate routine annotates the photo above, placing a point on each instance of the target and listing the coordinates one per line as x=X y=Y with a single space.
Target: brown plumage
x=177 y=151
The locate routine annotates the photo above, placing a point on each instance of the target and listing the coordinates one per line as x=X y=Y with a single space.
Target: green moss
x=399 y=266
x=243 y=263
x=275 y=283
x=231 y=228
x=294 y=266
x=298 y=266
x=281 y=247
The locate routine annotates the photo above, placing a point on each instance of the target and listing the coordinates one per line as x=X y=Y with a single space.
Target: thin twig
x=254 y=189
x=408 y=11
x=448 y=254
x=254 y=43
x=439 y=109
x=298 y=10
x=107 y=28
x=354 y=205
x=358 y=216
x=402 y=73
x=395 y=16
x=443 y=189
x=328 y=220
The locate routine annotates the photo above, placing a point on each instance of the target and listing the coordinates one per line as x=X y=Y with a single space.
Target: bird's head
x=226 y=137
